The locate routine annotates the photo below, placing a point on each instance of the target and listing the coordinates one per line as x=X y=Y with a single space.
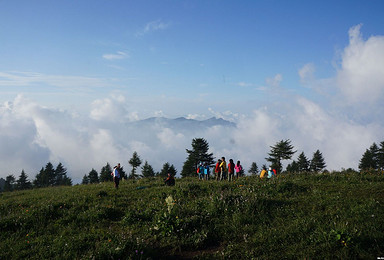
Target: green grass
x=327 y=216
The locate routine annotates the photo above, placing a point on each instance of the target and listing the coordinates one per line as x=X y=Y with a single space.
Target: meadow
x=308 y=216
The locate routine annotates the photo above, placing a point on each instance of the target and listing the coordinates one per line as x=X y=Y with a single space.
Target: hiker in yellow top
x=223 y=167
x=262 y=174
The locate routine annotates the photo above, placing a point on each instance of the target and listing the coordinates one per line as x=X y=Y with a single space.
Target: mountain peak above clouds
x=184 y=123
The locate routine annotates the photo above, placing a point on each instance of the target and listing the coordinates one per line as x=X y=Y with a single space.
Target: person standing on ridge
x=200 y=171
x=270 y=173
x=263 y=172
x=239 y=169
x=223 y=168
x=218 y=170
x=206 y=171
x=170 y=180
x=116 y=176
x=231 y=170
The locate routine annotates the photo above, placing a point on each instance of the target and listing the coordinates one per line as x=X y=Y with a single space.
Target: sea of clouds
x=342 y=124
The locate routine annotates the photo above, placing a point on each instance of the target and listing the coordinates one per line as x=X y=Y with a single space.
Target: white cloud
x=196 y=116
x=227 y=115
x=244 y=84
x=169 y=139
x=22 y=78
x=341 y=141
x=361 y=77
x=275 y=81
x=159 y=113
x=112 y=109
x=153 y=26
x=120 y=55
x=306 y=73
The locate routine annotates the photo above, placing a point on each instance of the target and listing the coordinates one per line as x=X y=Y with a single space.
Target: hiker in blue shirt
x=200 y=171
x=206 y=171
x=116 y=176
x=270 y=173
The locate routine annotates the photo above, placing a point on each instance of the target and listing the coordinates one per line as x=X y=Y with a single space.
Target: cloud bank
x=361 y=77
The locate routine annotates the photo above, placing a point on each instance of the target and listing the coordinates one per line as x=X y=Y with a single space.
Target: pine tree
x=172 y=170
x=61 y=176
x=46 y=177
x=375 y=153
x=303 y=163
x=93 y=176
x=85 y=179
x=2 y=183
x=135 y=162
x=293 y=167
x=67 y=181
x=49 y=175
x=189 y=168
x=253 y=170
x=23 y=183
x=105 y=173
x=147 y=170
x=373 y=158
x=167 y=168
x=367 y=161
x=39 y=182
x=283 y=150
x=9 y=184
x=317 y=162
x=380 y=157
x=198 y=153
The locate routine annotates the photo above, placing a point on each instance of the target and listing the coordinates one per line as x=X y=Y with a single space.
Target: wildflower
x=170 y=203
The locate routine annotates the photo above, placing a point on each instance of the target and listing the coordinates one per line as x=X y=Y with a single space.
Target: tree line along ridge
x=372 y=159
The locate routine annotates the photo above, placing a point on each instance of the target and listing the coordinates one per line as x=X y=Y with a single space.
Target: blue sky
x=129 y=60
x=175 y=48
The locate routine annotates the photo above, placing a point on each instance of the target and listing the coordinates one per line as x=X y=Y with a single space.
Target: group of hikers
x=269 y=174
x=222 y=170
x=228 y=172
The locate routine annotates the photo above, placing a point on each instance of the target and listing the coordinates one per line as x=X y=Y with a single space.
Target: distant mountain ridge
x=184 y=123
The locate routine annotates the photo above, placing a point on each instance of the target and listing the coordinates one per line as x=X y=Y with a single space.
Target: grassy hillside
x=324 y=216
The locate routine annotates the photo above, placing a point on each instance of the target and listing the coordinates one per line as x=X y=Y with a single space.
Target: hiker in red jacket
x=231 y=170
x=218 y=170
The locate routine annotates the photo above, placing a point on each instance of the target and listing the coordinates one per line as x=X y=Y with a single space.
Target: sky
x=73 y=74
